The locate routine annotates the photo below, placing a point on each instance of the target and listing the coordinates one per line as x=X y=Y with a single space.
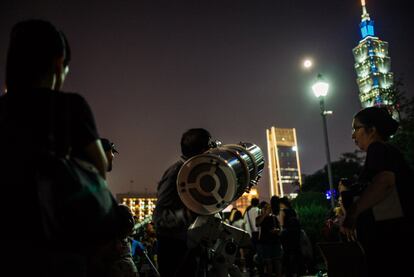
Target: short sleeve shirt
x=30 y=117
x=384 y=157
x=250 y=219
x=26 y=121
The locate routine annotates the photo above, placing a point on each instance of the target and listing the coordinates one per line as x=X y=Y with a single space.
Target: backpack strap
x=248 y=219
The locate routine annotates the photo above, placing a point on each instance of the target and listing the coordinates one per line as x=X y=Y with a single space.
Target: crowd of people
x=36 y=118
x=276 y=248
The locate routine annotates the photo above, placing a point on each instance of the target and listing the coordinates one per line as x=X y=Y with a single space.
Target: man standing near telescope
x=171 y=217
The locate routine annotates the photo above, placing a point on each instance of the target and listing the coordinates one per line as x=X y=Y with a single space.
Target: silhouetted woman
x=381 y=214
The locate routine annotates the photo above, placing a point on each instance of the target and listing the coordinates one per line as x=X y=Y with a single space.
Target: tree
x=348 y=166
x=404 y=107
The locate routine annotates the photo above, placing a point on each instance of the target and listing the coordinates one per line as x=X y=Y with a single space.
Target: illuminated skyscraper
x=284 y=165
x=372 y=64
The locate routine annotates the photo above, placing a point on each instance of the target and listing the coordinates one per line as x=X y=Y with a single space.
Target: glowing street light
x=320 y=89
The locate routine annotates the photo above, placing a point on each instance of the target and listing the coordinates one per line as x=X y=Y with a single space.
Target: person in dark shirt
x=114 y=257
x=33 y=115
x=171 y=217
x=293 y=264
x=270 y=245
x=381 y=216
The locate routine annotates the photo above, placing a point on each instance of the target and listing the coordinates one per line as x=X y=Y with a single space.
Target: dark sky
x=152 y=69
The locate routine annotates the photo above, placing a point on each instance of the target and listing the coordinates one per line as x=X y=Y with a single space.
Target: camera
x=351 y=193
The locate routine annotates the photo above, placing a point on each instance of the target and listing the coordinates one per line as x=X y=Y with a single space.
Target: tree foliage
x=404 y=138
x=348 y=166
x=312 y=209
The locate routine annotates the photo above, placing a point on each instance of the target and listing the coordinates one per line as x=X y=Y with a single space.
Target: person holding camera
x=110 y=151
x=380 y=218
x=113 y=258
x=171 y=217
x=35 y=118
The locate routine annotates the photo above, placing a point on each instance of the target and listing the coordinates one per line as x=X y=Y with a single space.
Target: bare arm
x=96 y=156
x=382 y=184
x=281 y=217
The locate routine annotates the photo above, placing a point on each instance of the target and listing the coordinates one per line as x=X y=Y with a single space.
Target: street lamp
x=320 y=89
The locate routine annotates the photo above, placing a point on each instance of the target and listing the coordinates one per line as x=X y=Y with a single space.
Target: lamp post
x=320 y=89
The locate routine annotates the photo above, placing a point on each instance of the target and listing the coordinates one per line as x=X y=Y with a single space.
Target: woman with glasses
x=380 y=215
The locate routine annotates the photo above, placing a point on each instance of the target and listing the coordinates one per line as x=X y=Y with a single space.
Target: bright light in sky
x=307 y=64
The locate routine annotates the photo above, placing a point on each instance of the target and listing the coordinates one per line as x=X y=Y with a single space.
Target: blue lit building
x=372 y=64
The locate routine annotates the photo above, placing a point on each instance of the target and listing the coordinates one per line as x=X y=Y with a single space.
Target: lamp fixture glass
x=320 y=88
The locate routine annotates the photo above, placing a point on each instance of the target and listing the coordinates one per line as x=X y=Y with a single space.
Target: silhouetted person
x=114 y=257
x=33 y=115
x=382 y=213
x=250 y=215
x=171 y=216
x=110 y=150
x=293 y=264
x=270 y=245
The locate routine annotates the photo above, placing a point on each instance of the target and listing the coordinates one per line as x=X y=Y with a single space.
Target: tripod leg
x=154 y=268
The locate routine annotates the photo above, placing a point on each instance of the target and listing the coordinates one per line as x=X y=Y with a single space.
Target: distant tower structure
x=372 y=64
x=284 y=165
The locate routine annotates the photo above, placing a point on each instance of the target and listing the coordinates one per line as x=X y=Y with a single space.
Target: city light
x=320 y=89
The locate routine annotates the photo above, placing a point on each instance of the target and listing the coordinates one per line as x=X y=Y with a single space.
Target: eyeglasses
x=355 y=128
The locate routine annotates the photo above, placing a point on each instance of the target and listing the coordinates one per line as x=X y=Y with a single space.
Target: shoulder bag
x=74 y=199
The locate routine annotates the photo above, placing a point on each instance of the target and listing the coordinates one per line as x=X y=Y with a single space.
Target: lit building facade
x=372 y=64
x=283 y=161
x=244 y=201
x=141 y=205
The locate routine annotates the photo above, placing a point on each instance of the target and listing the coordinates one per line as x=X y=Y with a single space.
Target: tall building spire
x=365 y=14
x=367 y=25
x=372 y=64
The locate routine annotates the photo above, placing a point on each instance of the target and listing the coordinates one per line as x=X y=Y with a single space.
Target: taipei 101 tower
x=372 y=64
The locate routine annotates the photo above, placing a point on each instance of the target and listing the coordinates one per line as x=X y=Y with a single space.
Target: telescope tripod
x=219 y=243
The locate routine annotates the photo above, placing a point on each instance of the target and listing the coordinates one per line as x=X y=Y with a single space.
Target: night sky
x=152 y=69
